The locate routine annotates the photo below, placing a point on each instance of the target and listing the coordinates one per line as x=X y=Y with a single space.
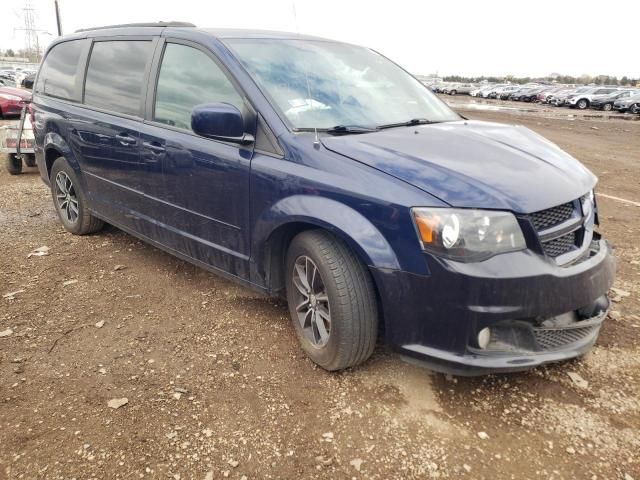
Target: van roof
x=215 y=32
x=131 y=25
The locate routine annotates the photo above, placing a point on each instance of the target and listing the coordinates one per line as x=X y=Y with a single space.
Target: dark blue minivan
x=324 y=173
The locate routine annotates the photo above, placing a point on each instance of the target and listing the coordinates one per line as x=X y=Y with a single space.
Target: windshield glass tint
x=319 y=84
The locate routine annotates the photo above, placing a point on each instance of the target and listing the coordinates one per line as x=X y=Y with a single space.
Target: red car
x=11 y=101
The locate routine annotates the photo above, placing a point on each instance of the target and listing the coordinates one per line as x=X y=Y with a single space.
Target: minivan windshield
x=323 y=84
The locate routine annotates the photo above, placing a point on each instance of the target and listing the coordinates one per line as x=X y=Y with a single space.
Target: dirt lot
x=217 y=387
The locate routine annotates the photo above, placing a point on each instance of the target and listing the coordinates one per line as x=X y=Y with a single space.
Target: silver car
x=464 y=88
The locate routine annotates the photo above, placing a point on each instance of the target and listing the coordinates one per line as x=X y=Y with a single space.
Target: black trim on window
x=145 y=85
x=79 y=75
x=248 y=111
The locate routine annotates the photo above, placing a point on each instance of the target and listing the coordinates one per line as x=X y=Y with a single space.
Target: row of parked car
x=607 y=98
x=18 y=77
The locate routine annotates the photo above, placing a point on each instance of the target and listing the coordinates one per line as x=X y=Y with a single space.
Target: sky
x=470 y=38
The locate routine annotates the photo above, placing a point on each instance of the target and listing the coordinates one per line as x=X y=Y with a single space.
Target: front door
x=199 y=186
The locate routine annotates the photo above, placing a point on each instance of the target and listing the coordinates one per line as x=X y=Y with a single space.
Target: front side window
x=189 y=77
x=321 y=84
x=115 y=76
x=59 y=71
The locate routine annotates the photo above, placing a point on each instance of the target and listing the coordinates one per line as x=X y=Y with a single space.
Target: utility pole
x=58 y=22
x=31 y=42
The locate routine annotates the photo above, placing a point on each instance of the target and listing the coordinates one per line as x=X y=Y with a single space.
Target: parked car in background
x=20 y=76
x=476 y=92
x=531 y=94
x=605 y=102
x=559 y=99
x=27 y=82
x=12 y=100
x=489 y=91
x=503 y=93
x=498 y=91
x=546 y=92
x=463 y=88
x=517 y=95
x=582 y=100
x=493 y=264
x=550 y=95
x=629 y=104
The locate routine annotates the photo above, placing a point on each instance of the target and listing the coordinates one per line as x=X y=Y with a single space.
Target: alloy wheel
x=606 y=107
x=312 y=302
x=66 y=197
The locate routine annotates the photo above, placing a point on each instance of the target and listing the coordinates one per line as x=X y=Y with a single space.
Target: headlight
x=467 y=235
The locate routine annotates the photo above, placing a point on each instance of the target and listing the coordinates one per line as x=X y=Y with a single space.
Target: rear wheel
x=13 y=164
x=607 y=107
x=70 y=201
x=331 y=301
x=452 y=92
x=635 y=108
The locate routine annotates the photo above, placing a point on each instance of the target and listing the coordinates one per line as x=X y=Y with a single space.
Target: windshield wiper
x=339 y=129
x=413 y=121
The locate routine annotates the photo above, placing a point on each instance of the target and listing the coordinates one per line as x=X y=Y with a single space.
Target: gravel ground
x=209 y=383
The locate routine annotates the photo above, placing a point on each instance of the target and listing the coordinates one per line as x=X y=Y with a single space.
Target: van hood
x=473 y=164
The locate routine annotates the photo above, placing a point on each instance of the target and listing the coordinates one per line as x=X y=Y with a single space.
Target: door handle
x=155 y=147
x=126 y=139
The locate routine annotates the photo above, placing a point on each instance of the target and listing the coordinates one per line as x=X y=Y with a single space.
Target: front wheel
x=607 y=107
x=635 y=108
x=582 y=104
x=452 y=92
x=70 y=201
x=13 y=164
x=331 y=301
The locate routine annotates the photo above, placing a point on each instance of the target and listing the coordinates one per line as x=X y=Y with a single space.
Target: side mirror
x=220 y=121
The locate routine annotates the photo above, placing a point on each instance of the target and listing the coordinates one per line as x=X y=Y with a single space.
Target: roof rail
x=152 y=24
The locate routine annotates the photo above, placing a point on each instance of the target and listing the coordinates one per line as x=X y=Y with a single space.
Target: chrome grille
x=558 y=246
x=552 y=216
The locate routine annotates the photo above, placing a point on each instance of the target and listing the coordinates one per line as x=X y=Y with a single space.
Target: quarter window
x=115 y=77
x=189 y=77
x=59 y=71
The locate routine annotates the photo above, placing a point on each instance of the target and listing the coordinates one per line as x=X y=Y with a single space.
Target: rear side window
x=59 y=71
x=189 y=77
x=115 y=76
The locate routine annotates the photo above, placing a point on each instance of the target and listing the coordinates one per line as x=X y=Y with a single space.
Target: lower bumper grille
x=552 y=339
x=525 y=336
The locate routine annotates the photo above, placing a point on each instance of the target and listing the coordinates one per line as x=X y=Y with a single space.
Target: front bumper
x=436 y=318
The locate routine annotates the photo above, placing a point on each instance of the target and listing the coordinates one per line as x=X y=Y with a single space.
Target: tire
x=635 y=108
x=70 y=201
x=13 y=164
x=30 y=160
x=452 y=92
x=342 y=289
x=582 y=104
x=607 y=107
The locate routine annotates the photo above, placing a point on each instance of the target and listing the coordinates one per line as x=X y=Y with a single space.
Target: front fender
x=345 y=222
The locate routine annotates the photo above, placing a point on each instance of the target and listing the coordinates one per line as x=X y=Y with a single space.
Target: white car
x=582 y=100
